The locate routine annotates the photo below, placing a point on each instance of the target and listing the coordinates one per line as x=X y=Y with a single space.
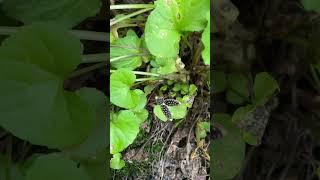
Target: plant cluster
x=150 y=45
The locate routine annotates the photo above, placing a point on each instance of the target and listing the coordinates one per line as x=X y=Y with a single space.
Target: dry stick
x=188 y=142
x=155 y=134
x=162 y=167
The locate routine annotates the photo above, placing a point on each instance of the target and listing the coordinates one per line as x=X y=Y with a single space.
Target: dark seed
x=166 y=111
x=171 y=102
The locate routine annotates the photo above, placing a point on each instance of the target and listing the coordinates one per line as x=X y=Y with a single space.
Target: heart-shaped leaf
x=124 y=128
x=169 y=20
x=166 y=65
x=229 y=151
x=264 y=86
x=55 y=166
x=129 y=45
x=238 y=88
x=34 y=106
x=178 y=112
x=311 y=5
x=116 y=162
x=65 y=12
x=120 y=92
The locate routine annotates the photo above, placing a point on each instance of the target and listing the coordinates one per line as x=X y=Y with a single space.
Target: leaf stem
x=115 y=21
x=82 y=34
x=146 y=73
x=141 y=73
x=86 y=69
x=131 y=6
x=125 y=57
x=94 y=58
x=145 y=79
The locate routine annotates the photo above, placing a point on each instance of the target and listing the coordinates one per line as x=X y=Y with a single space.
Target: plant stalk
x=141 y=73
x=145 y=79
x=125 y=57
x=95 y=58
x=113 y=22
x=86 y=69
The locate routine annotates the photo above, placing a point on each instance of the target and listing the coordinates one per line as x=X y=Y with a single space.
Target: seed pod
x=171 y=102
x=166 y=111
x=159 y=100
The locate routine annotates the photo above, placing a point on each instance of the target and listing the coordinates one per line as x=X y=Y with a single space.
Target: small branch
x=115 y=21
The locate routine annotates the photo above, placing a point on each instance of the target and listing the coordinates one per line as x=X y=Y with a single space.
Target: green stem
x=95 y=58
x=91 y=35
x=145 y=79
x=85 y=35
x=146 y=73
x=131 y=6
x=125 y=57
x=141 y=73
x=86 y=69
x=113 y=22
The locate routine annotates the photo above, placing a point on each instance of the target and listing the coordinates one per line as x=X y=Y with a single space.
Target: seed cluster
x=164 y=103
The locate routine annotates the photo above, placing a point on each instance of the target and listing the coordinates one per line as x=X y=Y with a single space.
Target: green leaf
x=242 y=112
x=116 y=162
x=250 y=139
x=178 y=112
x=161 y=35
x=206 y=42
x=129 y=45
x=141 y=103
x=192 y=89
x=169 y=20
x=124 y=128
x=264 y=87
x=176 y=87
x=97 y=170
x=53 y=167
x=238 y=88
x=120 y=92
x=65 y=12
x=193 y=21
x=219 y=81
x=202 y=129
x=142 y=115
x=34 y=106
x=149 y=88
x=96 y=142
x=311 y=5
x=166 y=65
x=228 y=152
